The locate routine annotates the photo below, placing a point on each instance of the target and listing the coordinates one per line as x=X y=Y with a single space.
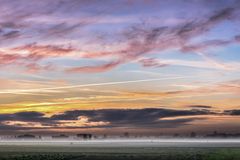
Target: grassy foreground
x=78 y=153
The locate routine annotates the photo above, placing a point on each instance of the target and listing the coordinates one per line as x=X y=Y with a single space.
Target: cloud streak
x=86 y=85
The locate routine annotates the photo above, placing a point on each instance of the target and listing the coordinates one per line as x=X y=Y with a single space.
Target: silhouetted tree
x=126 y=134
x=193 y=134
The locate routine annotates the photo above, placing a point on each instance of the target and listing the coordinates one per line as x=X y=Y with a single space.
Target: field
x=117 y=151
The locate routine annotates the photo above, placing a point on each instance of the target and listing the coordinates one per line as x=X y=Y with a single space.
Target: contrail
x=214 y=62
x=19 y=91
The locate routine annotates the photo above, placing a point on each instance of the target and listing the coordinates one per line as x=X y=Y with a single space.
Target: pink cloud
x=94 y=69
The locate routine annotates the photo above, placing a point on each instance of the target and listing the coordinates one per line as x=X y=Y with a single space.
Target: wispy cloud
x=135 y=41
x=207 y=64
x=85 y=85
x=144 y=39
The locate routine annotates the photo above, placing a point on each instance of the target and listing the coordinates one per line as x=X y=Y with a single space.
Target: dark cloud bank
x=113 y=118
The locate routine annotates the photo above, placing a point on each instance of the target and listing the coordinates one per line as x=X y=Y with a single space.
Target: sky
x=143 y=66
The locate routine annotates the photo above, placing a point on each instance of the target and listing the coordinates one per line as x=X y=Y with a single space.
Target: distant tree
x=176 y=135
x=60 y=136
x=85 y=136
x=26 y=136
x=126 y=134
x=104 y=136
x=193 y=134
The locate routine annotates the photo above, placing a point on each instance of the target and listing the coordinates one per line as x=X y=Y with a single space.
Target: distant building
x=26 y=136
x=60 y=136
x=84 y=136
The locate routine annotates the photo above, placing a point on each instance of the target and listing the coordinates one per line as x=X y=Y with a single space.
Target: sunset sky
x=143 y=66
